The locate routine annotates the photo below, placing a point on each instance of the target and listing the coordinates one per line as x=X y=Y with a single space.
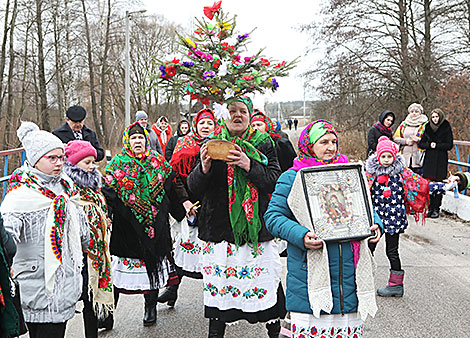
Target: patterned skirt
x=304 y=325
x=130 y=274
x=243 y=283
x=188 y=250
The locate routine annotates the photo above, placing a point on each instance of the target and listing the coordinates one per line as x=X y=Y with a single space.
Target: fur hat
x=77 y=150
x=385 y=145
x=140 y=114
x=37 y=143
x=416 y=106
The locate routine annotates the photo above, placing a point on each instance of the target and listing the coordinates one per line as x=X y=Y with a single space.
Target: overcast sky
x=275 y=21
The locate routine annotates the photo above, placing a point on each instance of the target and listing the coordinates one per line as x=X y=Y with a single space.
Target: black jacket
x=127 y=237
x=436 y=160
x=285 y=153
x=66 y=135
x=374 y=133
x=170 y=147
x=212 y=192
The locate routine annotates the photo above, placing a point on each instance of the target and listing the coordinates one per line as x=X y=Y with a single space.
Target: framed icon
x=338 y=201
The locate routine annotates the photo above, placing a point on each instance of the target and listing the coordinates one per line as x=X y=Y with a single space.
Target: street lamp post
x=127 y=93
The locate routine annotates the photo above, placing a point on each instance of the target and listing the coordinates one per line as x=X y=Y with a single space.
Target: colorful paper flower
x=207 y=74
x=274 y=83
x=240 y=38
x=210 y=11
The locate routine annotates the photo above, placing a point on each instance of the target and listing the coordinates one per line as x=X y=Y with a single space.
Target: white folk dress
x=245 y=279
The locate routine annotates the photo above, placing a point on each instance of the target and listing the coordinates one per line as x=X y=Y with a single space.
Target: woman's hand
x=409 y=142
x=239 y=158
x=415 y=138
x=377 y=231
x=206 y=161
x=189 y=210
x=311 y=241
x=433 y=145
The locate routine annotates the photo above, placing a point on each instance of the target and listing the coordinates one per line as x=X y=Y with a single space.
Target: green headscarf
x=243 y=99
x=243 y=201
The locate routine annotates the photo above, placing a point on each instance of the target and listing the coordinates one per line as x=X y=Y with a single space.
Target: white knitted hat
x=37 y=143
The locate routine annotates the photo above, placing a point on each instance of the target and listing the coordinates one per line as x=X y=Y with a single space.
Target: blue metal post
x=5 y=173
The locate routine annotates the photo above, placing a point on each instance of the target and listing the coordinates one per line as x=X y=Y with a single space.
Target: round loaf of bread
x=219 y=149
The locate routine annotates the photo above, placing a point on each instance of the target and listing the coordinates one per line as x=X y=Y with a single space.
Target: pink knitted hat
x=77 y=150
x=385 y=145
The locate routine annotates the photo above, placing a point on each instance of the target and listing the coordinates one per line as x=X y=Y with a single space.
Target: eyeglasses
x=54 y=158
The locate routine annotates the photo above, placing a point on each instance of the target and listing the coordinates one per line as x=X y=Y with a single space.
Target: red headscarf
x=187 y=147
x=270 y=125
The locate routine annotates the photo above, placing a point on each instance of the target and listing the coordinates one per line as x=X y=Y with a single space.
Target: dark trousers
x=49 y=330
x=90 y=322
x=435 y=202
x=391 y=250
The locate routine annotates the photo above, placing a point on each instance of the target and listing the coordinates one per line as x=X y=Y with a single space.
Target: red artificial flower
x=279 y=65
x=264 y=62
x=222 y=34
x=171 y=70
x=216 y=64
x=125 y=262
x=175 y=61
x=210 y=11
x=247 y=78
x=199 y=32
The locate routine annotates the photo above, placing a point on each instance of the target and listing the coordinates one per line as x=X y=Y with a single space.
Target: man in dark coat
x=75 y=129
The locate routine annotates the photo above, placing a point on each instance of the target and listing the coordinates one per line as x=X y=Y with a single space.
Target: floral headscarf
x=308 y=137
x=138 y=180
x=187 y=147
x=243 y=99
x=270 y=126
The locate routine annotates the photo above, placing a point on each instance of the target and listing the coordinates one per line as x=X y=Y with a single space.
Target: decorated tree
x=216 y=64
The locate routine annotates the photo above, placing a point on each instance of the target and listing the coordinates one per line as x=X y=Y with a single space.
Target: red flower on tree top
x=210 y=11
x=282 y=64
x=264 y=62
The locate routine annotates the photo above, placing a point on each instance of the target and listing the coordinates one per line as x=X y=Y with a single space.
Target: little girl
x=395 y=191
x=41 y=211
x=97 y=293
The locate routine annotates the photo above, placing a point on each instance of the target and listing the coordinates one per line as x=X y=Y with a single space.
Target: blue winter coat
x=281 y=223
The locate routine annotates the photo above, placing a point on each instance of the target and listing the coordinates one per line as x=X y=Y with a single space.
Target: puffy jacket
x=281 y=223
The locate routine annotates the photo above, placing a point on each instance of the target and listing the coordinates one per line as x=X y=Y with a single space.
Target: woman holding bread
x=241 y=266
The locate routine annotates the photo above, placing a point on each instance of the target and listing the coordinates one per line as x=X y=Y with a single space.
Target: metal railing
x=458 y=162
x=6 y=176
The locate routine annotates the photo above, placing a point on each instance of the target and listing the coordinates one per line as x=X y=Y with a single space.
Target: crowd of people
x=71 y=233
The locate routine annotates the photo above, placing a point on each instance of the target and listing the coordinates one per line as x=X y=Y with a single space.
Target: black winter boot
x=216 y=328
x=150 y=314
x=169 y=295
x=432 y=206
x=274 y=329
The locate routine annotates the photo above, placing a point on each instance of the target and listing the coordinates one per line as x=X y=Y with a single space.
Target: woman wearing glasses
x=42 y=213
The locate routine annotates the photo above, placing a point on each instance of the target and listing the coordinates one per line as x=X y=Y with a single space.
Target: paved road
x=436 y=303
